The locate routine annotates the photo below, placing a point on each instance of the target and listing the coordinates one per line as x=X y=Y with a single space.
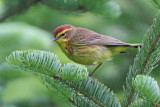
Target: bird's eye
x=63 y=34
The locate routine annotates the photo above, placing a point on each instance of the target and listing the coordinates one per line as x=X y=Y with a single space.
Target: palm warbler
x=87 y=47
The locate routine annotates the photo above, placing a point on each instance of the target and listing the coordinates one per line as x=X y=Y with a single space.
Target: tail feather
x=136 y=45
x=124 y=47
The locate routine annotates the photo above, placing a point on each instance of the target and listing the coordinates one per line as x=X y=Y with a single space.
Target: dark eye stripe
x=63 y=34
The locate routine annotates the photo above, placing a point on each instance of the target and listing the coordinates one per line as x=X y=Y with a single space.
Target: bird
x=87 y=47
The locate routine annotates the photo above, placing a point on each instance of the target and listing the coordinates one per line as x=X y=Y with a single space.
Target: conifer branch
x=140 y=103
x=145 y=61
x=73 y=86
x=147 y=88
x=68 y=91
x=72 y=80
x=151 y=51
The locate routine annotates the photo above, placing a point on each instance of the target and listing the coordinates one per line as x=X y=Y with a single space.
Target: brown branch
x=18 y=10
x=130 y=97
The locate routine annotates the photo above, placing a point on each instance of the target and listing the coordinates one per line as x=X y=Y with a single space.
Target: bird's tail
x=136 y=45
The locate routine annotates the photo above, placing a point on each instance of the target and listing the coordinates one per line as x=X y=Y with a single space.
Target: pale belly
x=87 y=55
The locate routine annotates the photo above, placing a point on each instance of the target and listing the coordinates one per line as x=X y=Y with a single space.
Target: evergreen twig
x=151 y=51
x=69 y=80
x=145 y=61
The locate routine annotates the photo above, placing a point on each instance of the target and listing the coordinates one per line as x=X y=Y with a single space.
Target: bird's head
x=62 y=33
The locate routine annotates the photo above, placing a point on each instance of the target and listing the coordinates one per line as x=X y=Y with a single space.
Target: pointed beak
x=54 y=39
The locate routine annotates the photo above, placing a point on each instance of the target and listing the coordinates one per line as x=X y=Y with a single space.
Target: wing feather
x=84 y=36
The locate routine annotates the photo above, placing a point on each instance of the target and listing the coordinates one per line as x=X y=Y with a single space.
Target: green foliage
x=151 y=49
x=141 y=103
x=57 y=85
x=82 y=93
x=69 y=92
x=46 y=63
x=87 y=92
x=37 y=61
x=73 y=72
x=147 y=87
x=97 y=92
x=146 y=59
x=156 y=3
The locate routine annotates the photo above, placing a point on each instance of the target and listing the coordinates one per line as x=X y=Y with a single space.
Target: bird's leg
x=95 y=70
x=94 y=63
x=89 y=65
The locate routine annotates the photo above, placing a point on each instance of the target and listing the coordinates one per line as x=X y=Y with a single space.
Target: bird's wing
x=89 y=37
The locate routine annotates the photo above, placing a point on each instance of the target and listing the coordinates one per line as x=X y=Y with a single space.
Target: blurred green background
x=24 y=28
